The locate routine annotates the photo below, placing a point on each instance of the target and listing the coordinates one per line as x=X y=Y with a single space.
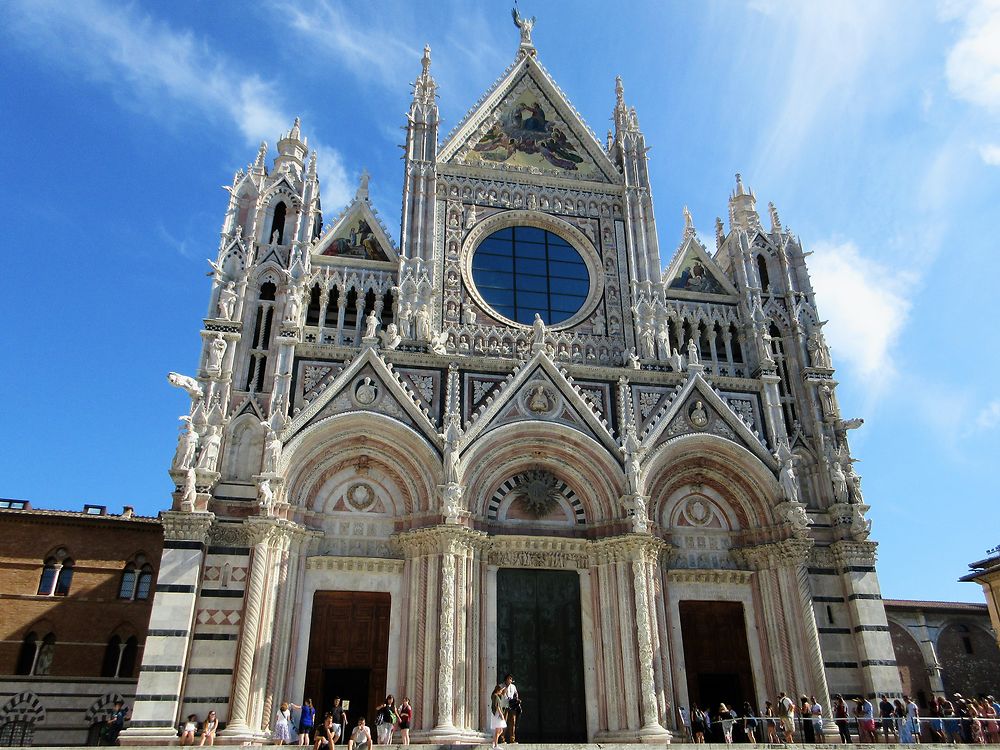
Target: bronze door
x=539 y=642
x=716 y=654
x=348 y=651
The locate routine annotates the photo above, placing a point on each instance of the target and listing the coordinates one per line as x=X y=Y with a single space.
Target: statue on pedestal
x=390 y=337
x=839 y=478
x=371 y=325
x=422 y=319
x=216 y=351
x=786 y=474
x=537 y=333
x=187 y=444
x=693 y=356
x=632 y=450
x=227 y=301
x=266 y=495
x=210 y=447
x=189 y=493
x=272 y=449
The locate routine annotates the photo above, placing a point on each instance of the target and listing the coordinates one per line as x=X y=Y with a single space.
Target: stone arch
x=566 y=500
x=593 y=475
x=390 y=459
x=737 y=480
x=910 y=663
x=969 y=658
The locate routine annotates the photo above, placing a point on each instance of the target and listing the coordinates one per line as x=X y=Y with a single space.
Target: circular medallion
x=360 y=496
x=366 y=392
x=697 y=512
x=697 y=415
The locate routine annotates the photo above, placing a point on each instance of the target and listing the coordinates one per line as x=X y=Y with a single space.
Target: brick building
x=76 y=589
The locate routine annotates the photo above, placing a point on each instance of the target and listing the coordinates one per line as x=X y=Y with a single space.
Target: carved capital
x=184 y=526
x=788 y=553
x=848 y=554
x=446 y=539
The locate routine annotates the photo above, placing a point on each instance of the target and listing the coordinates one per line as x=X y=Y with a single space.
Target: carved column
x=644 y=551
x=168 y=640
x=262 y=532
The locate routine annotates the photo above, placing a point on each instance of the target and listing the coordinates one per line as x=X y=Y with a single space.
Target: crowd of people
x=957 y=721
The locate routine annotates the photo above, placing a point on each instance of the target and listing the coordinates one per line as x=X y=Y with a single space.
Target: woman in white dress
x=498 y=722
x=283 y=725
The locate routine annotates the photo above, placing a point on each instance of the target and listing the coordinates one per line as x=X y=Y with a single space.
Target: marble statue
x=210 y=447
x=266 y=495
x=470 y=216
x=423 y=323
x=439 y=343
x=272 y=449
x=698 y=416
x=839 y=480
x=633 y=360
x=539 y=401
x=468 y=316
x=538 y=331
x=819 y=352
x=293 y=304
x=598 y=326
x=861 y=527
x=676 y=360
x=525 y=25
x=648 y=343
x=640 y=522
x=795 y=514
x=274 y=237
x=786 y=474
x=189 y=384
x=189 y=492
x=227 y=301
x=371 y=325
x=693 y=356
x=826 y=398
x=854 y=484
x=187 y=444
x=451 y=457
x=390 y=337
x=406 y=322
x=216 y=351
x=632 y=449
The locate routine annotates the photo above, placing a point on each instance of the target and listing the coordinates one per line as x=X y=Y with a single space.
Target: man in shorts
x=361 y=737
x=339 y=720
x=786 y=712
x=511 y=703
x=324 y=734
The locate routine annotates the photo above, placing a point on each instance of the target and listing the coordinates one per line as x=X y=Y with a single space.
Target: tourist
x=498 y=722
x=937 y=722
x=727 y=716
x=339 y=720
x=189 y=730
x=887 y=713
x=912 y=717
x=324 y=734
x=842 y=719
x=283 y=725
x=952 y=723
x=975 y=725
x=749 y=724
x=685 y=722
x=209 y=729
x=114 y=725
x=816 y=708
x=405 y=714
x=770 y=723
x=385 y=720
x=786 y=713
x=512 y=706
x=992 y=714
x=805 y=715
x=361 y=737
x=307 y=716
x=901 y=723
x=698 y=724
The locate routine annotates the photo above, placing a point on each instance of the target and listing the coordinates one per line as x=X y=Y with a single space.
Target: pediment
x=357 y=235
x=366 y=384
x=525 y=124
x=698 y=408
x=693 y=273
x=540 y=391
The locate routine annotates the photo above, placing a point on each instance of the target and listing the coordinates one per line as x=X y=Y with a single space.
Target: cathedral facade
x=511 y=442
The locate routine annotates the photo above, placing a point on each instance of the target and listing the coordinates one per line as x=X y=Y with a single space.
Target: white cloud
x=161 y=71
x=990 y=154
x=989 y=417
x=973 y=66
x=867 y=305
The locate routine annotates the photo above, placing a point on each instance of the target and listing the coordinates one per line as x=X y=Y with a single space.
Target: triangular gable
x=526 y=124
x=675 y=418
x=693 y=273
x=559 y=400
x=358 y=235
x=347 y=393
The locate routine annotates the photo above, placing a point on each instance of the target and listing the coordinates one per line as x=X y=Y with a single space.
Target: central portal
x=539 y=642
x=716 y=654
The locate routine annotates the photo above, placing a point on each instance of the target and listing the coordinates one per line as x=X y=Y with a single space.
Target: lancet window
x=263 y=321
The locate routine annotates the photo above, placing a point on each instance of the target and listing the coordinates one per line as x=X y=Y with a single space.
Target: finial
x=688 y=224
x=525 y=25
x=720 y=232
x=619 y=91
x=261 y=153
x=425 y=61
x=362 y=193
x=775 y=220
x=295 y=133
x=739 y=184
x=312 y=164
x=611 y=139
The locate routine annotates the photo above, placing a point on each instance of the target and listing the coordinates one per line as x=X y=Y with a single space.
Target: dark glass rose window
x=521 y=271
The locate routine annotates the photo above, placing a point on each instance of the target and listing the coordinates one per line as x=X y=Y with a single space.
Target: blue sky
x=873 y=126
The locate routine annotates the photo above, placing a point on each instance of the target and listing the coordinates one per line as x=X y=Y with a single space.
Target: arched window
x=127 y=588
x=126 y=666
x=17 y=733
x=765 y=283
x=112 y=655
x=43 y=661
x=65 y=578
x=57 y=575
x=26 y=656
x=145 y=583
x=260 y=342
x=278 y=224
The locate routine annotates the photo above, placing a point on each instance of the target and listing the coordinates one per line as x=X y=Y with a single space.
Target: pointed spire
x=688 y=224
x=295 y=133
x=775 y=219
x=720 y=233
x=425 y=88
x=261 y=155
x=619 y=92
x=312 y=165
x=739 y=185
x=362 y=194
x=743 y=207
x=611 y=140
